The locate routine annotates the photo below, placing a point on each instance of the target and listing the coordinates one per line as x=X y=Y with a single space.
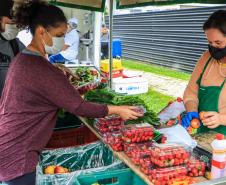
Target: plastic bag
x=177 y=134
x=87 y=159
x=171 y=111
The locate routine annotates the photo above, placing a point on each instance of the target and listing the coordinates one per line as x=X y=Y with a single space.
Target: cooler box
x=117 y=48
x=137 y=85
x=104 y=65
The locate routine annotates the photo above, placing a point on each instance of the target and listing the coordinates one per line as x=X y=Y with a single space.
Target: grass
x=163 y=71
x=156 y=101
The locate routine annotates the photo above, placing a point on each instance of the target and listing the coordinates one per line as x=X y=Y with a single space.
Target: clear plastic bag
x=177 y=134
x=172 y=111
x=87 y=159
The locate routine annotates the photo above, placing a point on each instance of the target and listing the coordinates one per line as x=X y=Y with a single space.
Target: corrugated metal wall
x=173 y=39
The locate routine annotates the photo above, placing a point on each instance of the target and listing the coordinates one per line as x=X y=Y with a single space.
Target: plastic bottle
x=219 y=157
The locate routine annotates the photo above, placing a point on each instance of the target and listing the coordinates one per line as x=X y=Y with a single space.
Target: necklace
x=220 y=71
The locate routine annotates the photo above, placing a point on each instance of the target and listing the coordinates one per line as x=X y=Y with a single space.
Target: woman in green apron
x=206 y=90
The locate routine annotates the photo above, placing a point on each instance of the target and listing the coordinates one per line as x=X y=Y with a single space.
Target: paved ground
x=166 y=85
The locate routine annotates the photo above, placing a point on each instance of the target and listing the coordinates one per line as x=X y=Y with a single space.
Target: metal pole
x=110 y=42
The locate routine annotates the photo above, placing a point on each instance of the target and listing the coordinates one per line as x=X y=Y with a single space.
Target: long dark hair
x=216 y=20
x=30 y=14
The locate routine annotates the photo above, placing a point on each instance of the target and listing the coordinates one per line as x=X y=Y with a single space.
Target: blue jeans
x=58 y=58
x=27 y=179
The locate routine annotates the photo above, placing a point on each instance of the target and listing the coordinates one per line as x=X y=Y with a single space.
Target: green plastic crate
x=114 y=177
x=83 y=160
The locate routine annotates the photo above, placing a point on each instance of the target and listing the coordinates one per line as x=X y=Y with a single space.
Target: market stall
x=148 y=144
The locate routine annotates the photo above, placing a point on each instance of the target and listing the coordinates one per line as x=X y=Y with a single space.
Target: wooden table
x=122 y=156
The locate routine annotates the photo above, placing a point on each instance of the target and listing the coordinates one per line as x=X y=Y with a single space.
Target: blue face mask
x=217 y=53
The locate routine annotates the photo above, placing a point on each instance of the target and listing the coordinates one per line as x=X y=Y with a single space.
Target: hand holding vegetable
x=125 y=112
x=186 y=120
x=212 y=119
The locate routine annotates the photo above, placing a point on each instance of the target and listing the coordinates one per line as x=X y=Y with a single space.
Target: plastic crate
x=115 y=73
x=71 y=137
x=67 y=121
x=114 y=177
x=83 y=160
x=104 y=65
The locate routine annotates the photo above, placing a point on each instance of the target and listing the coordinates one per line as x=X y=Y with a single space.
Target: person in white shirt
x=70 y=50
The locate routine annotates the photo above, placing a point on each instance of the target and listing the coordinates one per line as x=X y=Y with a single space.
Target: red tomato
x=195 y=123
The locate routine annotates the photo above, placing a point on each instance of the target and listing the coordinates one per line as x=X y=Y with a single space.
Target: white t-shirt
x=72 y=40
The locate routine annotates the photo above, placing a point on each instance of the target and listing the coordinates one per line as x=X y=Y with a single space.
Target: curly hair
x=29 y=14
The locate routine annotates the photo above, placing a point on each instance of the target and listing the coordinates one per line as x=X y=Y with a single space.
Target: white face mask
x=11 y=31
x=58 y=44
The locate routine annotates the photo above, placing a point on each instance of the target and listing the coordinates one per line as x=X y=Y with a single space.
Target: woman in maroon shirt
x=33 y=93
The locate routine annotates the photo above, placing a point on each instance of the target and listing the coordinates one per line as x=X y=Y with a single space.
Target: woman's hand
x=212 y=120
x=125 y=112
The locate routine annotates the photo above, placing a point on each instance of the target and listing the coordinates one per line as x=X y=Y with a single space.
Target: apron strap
x=222 y=85
x=204 y=69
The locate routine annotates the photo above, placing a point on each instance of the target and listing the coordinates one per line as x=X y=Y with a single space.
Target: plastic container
x=88 y=87
x=219 y=157
x=140 y=109
x=114 y=139
x=116 y=177
x=135 y=134
x=109 y=124
x=163 y=176
x=140 y=156
x=196 y=167
x=105 y=129
x=165 y=155
x=110 y=120
x=130 y=148
x=71 y=137
x=136 y=85
x=204 y=156
x=117 y=48
x=104 y=65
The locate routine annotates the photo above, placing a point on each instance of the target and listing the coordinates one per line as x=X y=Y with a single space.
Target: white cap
x=73 y=20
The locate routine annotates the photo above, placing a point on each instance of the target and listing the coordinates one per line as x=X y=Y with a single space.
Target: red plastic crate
x=71 y=137
x=115 y=73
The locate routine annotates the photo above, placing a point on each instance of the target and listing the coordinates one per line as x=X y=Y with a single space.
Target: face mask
x=217 y=53
x=10 y=32
x=58 y=44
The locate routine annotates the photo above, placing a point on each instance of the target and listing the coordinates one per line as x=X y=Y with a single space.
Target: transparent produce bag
x=83 y=160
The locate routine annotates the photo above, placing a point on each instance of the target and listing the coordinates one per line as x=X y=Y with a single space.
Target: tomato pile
x=166 y=155
x=114 y=139
x=166 y=176
x=139 y=156
x=138 y=134
x=109 y=124
x=196 y=168
x=131 y=148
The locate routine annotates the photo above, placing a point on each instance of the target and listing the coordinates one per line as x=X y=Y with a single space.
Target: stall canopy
x=95 y=5
x=135 y=3
x=99 y=5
